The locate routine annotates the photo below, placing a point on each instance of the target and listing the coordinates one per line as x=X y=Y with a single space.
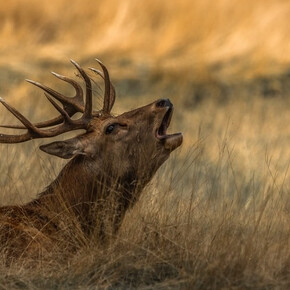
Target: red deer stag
x=111 y=163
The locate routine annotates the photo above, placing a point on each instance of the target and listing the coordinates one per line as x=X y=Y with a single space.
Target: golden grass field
x=217 y=214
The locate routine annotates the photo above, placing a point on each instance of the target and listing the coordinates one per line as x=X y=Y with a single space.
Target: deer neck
x=91 y=193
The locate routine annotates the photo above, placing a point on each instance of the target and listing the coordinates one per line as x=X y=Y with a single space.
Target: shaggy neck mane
x=92 y=194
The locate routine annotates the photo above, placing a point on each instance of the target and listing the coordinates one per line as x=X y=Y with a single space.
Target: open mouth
x=171 y=141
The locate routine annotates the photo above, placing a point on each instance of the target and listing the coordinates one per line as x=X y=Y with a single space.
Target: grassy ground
x=216 y=216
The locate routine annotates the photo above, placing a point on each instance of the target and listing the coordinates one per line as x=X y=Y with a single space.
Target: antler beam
x=63 y=123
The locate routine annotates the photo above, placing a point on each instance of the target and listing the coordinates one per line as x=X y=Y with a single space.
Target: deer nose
x=163 y=103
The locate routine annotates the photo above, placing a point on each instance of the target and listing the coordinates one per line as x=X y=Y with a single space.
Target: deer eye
x=110 y=128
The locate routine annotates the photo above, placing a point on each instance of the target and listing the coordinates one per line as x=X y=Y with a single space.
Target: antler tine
x=89 y=102
x=63 y=113
x=28 y=125
x=13 y=126
x=78 y=99
x=52 y=122
x=32 y=130
x=71 y=105
x=111 y=99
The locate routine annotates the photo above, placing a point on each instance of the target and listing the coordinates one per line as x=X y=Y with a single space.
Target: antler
x=71 y=106
x=110 y=93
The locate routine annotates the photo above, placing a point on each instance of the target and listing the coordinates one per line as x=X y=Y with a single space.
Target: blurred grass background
x=217 y=214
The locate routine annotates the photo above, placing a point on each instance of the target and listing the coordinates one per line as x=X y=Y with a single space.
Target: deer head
x=135 y=136
x=128 y=148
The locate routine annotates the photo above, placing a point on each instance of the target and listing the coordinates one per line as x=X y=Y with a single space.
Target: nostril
x=162 y=103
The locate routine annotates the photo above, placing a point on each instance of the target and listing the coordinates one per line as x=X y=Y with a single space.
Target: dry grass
x=217 y=214
x=221 y=39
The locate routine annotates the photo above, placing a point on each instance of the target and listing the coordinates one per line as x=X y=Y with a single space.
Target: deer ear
x=64 y=149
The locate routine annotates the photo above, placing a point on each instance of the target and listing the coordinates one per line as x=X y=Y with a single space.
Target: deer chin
x=170 y=141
